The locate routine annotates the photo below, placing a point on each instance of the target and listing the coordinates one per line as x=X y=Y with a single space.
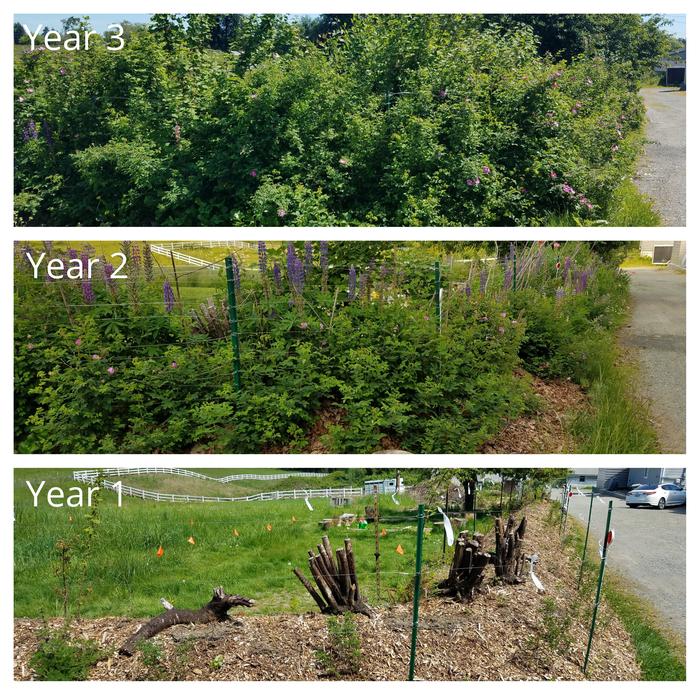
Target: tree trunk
x=214 y=611
x=469 y=495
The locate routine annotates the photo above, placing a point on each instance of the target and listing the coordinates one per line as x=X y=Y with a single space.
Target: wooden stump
x=215 y=611
x=468 y=565
x=335 y=577
x=509 y=558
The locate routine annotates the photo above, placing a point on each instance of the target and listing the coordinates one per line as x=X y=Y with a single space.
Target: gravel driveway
x=662 y=170
x=649 y=551
x=656 y=336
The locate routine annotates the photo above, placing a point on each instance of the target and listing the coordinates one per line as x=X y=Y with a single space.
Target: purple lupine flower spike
x=567 y=267
x=559 y=294
x=168 y=297
x=277 y=275
x=468 y=291
x=88 y=292
x=262 y=258
x=508 y=279
x=324 y=255
x=352 y=283
x=308 y=257
x=109 y=280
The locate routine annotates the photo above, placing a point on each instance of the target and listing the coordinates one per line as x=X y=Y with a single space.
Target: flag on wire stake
x=399 y=549
x=308 y=504
x=190 y=540
x=393 y=498
x=535 y=579
x=160 y=551
x=611 y=538
x=449 y=533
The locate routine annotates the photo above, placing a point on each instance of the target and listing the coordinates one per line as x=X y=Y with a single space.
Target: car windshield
x=646 y=487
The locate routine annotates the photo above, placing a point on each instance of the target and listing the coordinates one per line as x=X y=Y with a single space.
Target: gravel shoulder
x=661 y=174
x=655 y=335
x=649 y=552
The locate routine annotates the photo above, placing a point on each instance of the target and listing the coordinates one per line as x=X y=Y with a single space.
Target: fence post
x=376 y=539
x=416 y=590
x=233 y=321
x=599 y=588
x=438 y=283
x=566 y=515
x=585 y=542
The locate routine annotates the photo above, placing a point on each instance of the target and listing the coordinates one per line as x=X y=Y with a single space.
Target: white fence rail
x=191 y=260
x=87 y=476
x=172 y=245
x=260 y=497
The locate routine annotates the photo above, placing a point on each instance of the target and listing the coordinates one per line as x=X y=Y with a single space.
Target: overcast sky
x=100 y=22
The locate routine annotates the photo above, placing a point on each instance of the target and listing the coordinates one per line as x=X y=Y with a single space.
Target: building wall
x=644 y=476
x=670 y=475
x=612 y=478
x=678 y=255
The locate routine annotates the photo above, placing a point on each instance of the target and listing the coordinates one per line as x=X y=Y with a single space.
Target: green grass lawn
x=123 y=575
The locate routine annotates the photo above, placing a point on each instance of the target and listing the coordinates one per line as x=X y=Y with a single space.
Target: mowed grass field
x=124 y=576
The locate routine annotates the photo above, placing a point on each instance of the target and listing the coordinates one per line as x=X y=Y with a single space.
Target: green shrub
x=60 y=657
x=343 y=655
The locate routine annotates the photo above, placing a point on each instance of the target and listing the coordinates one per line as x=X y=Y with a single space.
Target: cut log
x=215 y=611
x=469 y=563
x=336 y=579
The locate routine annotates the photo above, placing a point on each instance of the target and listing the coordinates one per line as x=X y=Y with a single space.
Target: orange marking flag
x=160 y=551
x=399 y=549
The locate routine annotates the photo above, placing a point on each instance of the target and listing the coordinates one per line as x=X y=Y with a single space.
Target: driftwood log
x=509 y=558
x=468 y=565
x=215 y=611
x=336 y=580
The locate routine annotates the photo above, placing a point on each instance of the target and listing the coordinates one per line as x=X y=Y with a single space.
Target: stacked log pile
x=509 y=558
x=336 y=580
x=468 y=565
x=470 y=560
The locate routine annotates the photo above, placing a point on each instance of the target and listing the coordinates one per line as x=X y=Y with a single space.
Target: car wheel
x=662 y=503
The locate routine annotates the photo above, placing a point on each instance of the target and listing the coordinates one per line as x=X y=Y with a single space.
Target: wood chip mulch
x=544 y=432
x=500 y=635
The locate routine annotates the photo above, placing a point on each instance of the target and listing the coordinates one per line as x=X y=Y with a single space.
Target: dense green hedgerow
x=397 y=120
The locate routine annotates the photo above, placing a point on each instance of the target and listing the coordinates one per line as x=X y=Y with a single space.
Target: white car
x=661 y=496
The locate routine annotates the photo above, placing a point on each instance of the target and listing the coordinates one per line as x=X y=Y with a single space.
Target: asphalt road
x=649 y=551
x=656 y=336
x=662 y=170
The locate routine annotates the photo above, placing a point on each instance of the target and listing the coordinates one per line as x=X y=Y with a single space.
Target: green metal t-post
x=233 y=322
x=416 y=590
x=438 y=283
x=585 y=542
x=600 y=586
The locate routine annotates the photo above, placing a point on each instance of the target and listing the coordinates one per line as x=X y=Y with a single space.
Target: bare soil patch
x=546 y=431
x=500 y=635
